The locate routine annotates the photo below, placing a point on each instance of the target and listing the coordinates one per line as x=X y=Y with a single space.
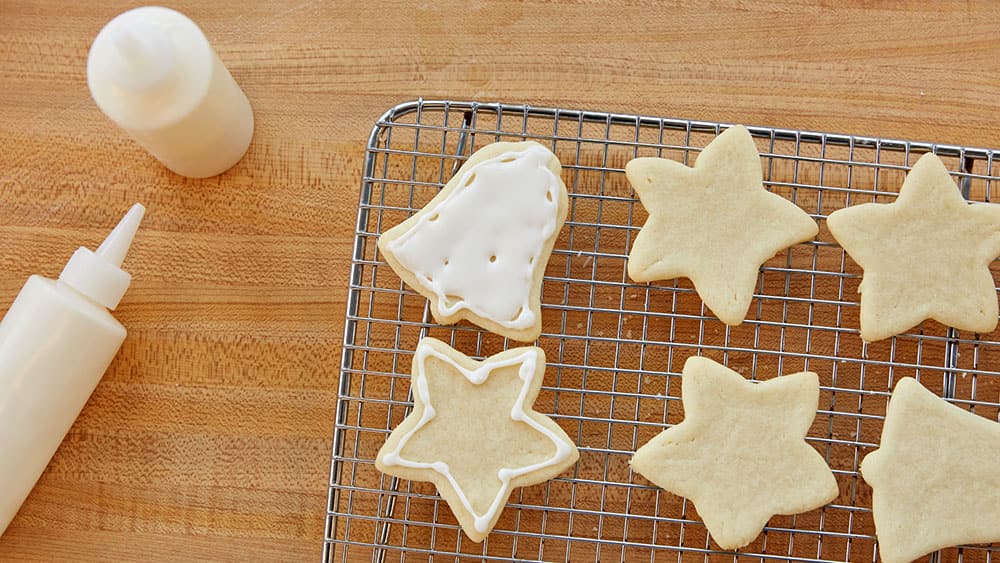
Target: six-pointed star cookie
x=925 y=256
x=740 y=453
x=713 y=223
x=473 y=432
x=935 y=477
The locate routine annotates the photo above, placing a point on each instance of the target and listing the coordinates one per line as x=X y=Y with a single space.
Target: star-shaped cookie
x=925 y=256
x=473 y=433
x=713 y=223
x=935 y=477
x=740 y=454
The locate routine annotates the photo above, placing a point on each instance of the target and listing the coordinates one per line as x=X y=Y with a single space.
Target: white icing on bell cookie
x=479 y=248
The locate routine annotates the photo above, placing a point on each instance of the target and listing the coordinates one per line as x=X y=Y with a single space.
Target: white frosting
x=528 y=361
x=478 y=249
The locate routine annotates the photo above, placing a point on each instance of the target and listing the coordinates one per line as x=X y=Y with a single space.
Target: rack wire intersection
x=615 y=348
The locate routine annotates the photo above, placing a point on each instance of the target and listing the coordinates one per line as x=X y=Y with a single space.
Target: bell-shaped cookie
x=478 y=250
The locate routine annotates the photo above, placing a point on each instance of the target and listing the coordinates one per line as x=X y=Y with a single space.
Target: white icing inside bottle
x=478 y=249
x=528 y=362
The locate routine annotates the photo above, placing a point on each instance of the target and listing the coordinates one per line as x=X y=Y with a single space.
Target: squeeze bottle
x=56 y=342
x=153 y=72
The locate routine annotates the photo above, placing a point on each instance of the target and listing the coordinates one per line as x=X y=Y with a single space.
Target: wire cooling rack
x=616 y=348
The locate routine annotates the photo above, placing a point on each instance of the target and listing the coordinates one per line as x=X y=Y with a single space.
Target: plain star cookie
x=935 y=477
x=473 y=433
x=478 y=250
x=713 y=223
x=740 y=454
x=925 y=256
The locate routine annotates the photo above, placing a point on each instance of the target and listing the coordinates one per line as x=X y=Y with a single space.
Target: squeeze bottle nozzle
x=115 y=246
x=98 y=275
x=142 y=58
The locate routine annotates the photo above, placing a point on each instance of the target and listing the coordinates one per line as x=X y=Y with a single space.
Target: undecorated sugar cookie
x=925 y=256
x=713 y=223
x=935 y=477
x=473 y=432
x=740 y=453
x=478 y=250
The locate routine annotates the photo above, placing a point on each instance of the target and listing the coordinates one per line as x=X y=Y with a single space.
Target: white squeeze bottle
x=153 y=72
x=56 y=342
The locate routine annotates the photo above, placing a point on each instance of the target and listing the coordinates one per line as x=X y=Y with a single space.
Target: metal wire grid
x=615 y=348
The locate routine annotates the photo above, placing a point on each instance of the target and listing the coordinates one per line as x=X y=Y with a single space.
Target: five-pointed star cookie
x=740 y=453
x=713 y=223
x=935 y=477
x=473 y=432
x=925 y=256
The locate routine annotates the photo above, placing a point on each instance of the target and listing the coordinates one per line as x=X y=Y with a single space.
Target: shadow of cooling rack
x=615 y=348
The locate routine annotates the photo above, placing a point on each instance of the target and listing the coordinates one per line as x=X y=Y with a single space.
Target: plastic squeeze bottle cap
x=98 y=275
x=153 y=72
x=142 y=57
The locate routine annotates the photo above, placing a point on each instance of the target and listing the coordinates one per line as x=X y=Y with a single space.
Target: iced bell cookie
x=473 y=432
x=478 y=250
x=740 y=453
x=935 y=477
x=925 y=256
x=713 y=223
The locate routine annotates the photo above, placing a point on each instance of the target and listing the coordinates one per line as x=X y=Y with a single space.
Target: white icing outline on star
x=528 y=363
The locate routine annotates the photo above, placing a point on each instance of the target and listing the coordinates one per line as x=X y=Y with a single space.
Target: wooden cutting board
x=209 y=437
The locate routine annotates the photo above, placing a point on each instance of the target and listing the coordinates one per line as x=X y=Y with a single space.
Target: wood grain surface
x=209 y=436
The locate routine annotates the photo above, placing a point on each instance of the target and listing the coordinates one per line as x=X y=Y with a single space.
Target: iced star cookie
x=478 y=250
x=740 y=453
x=473 y=432
x=713 y=223
x=935 y=477
x=925 y=256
